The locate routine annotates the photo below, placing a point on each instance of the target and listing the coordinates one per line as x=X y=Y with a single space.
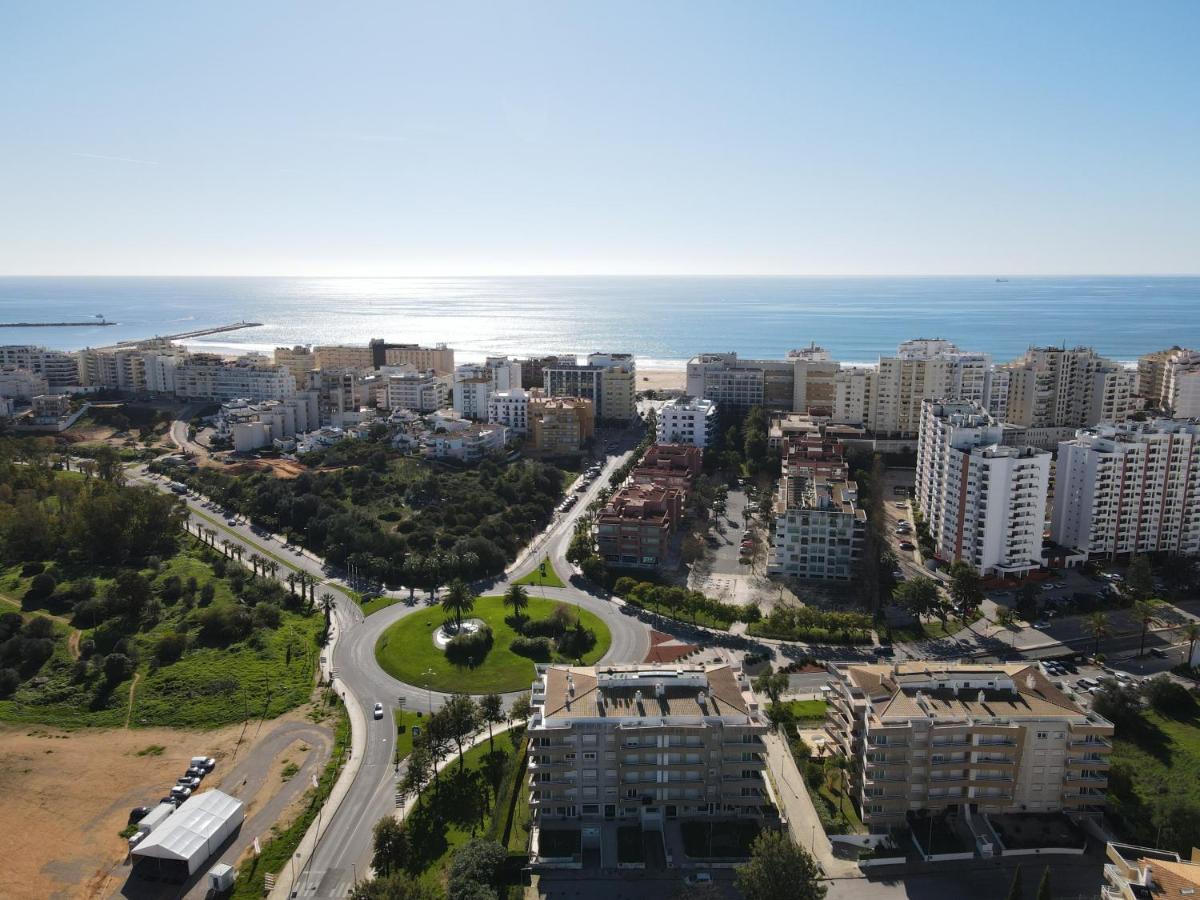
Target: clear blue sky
x=596 y=137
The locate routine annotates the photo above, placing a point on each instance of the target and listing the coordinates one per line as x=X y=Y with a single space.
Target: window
x=589 y=757
x=1042 y=735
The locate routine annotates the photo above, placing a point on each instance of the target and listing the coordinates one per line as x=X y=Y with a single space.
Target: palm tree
x=458 y=600
x=1192 y=634
x=517 y=598
x=327 y=606
x=1144 y=612
x=274 y=567
x=291 y=583
x=1097 y=626
x=254 y=560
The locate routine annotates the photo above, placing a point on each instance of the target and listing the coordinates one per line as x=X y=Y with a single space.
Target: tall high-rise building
x=1129 y=488
x=985 y=503
x=1052 y=387
x=474 y=384
x=58 y=368
x=607 y=379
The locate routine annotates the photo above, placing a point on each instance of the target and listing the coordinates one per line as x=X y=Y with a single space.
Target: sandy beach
x=661 y=379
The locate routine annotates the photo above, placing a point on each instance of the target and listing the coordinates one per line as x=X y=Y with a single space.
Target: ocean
x=662 y=320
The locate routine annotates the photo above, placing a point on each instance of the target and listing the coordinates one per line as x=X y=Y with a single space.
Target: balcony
x=1087 y=762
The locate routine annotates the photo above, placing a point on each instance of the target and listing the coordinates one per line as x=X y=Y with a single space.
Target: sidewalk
x=802 y=817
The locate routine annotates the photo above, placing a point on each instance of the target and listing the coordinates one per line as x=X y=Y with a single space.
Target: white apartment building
x=144 y=368
x=981 y=738
x=22 y=384
x=984 y=503
x=511 y=408
x=253 y=425
x=644 y=744
x=1181 y=385
x=208 y=377
x=687 y=420
x=923 y=369
x=469 y=445
x=474 y=384
x=418 y=391
x=1052 y=387
x=818 y=530
x=1129 y=488
x=770 y=383
x=59 y=369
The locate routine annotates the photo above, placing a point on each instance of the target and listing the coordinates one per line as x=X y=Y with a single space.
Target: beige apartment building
x=559 y=426
x=928 y=735
x=298 y=360
x=1052 y=387
x=646 y=744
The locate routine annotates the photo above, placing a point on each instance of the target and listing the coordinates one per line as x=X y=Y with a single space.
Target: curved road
x=343 y=853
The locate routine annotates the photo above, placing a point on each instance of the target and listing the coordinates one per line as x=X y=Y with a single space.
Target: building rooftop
x=922 y=689
x=644 y=692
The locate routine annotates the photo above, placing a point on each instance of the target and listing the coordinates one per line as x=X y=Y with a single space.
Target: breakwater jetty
x=199 y=332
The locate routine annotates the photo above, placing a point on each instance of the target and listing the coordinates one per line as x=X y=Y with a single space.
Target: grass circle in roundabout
x=406 y=649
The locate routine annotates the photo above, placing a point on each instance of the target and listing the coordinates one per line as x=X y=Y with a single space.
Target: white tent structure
x=178 y=847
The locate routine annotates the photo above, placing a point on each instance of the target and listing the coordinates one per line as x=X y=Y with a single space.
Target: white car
x=379 y=710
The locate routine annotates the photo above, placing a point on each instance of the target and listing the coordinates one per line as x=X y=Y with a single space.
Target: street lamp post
x=429 y=673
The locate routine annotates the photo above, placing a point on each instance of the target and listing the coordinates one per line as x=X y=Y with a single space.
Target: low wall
x=1037 y=851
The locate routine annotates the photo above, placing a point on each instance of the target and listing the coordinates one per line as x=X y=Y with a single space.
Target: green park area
x=543 y=576
x=406 y=651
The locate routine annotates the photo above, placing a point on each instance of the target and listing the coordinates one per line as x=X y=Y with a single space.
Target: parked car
x=195 y=772
x=207 y=763
x=172 y=799
x=1159 y=652
x=138 y=813
x=188 y=781
x=907 y=545
x=699 y=878
x=379 y=710
x=181 y=792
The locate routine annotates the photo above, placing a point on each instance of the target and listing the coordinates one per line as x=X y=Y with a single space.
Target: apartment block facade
x=419 y=391
x=560 y=426
x=982 y=738
x=208 y=377
x=60 y=369
x=687 y=420
x=1129 y=488
x=819 y=528
x=609 y=380
x=646 y=744
x=511 y=408
x=634 y=528
x=474 y=384
x=1053 y=387
x=985 y=503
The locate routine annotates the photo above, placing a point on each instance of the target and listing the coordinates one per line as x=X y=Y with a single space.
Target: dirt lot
x=64 y=796
x=281 y=468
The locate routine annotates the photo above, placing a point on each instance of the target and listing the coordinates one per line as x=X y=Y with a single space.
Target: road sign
x=401 y=702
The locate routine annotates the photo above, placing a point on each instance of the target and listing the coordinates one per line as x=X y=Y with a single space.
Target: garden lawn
x=537 y=579
x=378 y=603
x=408 y=719
x=406 y=650
x=806 y=709
x=1151 y=771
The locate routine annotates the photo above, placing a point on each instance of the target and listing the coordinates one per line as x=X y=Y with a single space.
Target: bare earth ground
x=661 y=380
x=65 y=795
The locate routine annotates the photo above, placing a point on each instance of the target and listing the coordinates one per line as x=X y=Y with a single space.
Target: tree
x=461 y=717
x=391 y=846
x=1169 y=697
x=1139 y=580
x=328 y=602
x=1014 y=892
x=458 y=600
x=1097 y=626
x=1044 y=892
x=516 y=597
x=1191 y=634
x=917 y=595
x=520 y=710
x=1145 y=614
x=418 y=769
x=491 y=711
x=779 y=870
x=477 y=863
x=966 y=589
x=773 y=684
x=1027 y=601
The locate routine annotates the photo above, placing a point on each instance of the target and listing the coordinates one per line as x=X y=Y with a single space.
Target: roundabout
x=412 y=649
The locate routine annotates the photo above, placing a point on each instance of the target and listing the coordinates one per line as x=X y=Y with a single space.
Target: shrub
x=170 y=648
x=1169 y=697
x=9 y=682
x=539 y=649
x=32 y=568
x=470 y=647
x=42 y=586
x=577 y=641
x=117 y=667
